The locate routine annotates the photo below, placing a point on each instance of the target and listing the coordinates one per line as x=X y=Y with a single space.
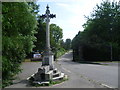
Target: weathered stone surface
x=57 y=74
x=48 y=60
x=44 y=69
x=59 y=77
x=55 y=70
x=48 y=76
x=37 y=77
x=44 y=74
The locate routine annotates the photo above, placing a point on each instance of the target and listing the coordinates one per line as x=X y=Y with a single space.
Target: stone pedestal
x=45 y=75
x=48 y=60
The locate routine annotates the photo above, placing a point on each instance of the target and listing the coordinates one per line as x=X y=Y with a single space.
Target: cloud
x=63 y=5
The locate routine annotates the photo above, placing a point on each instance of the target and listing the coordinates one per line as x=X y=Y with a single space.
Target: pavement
x=28 y=68
x=79 y=75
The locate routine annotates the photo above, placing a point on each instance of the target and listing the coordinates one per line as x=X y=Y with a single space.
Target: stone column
x=48 y=58
x=47 y=30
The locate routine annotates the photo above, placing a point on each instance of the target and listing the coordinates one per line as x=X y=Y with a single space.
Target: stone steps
x=44 y=82
x=57 y=74
x=53 y=75
x=55 y=70
x=59 y=77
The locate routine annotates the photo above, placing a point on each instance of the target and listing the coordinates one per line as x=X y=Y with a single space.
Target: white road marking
x=28 y=78
x=66 y=69
x=106 y=86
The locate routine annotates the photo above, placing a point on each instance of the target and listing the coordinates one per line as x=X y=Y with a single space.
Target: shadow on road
x=100 y=63
x=25 y=82
x=68 y=57
x=22 y=81
x=87 y=62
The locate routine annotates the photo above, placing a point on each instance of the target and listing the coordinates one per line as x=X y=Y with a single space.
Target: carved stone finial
x=47 y=6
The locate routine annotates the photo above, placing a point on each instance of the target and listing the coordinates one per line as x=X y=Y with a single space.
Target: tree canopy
x=100 y=32
x=18 y=28
x=67 y=44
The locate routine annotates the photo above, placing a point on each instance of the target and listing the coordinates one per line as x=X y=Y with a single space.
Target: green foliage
x=41 y=38
x=100 y=31
x=60 y=52
x=56 y=35
x=18 y=37
x=67 y=44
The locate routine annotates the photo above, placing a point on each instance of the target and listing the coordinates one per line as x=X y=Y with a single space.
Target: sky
x=70 y=14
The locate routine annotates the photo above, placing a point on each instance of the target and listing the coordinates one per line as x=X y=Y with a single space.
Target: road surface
x=98 y=75
x=80 y=75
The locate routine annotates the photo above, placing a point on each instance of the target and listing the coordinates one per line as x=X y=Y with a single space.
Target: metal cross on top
x=48 y=15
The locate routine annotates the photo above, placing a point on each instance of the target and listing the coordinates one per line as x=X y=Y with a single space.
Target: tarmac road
x=98 y=75
x=80 y=75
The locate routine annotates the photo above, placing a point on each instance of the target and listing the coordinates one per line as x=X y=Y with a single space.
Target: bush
x=18 y=37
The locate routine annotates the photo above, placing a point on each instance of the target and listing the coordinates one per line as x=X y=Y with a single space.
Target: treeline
x=23 y=31
x=67 y=44
x=100 y=40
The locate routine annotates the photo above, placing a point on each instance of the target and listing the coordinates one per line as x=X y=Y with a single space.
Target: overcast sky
x=69 y=14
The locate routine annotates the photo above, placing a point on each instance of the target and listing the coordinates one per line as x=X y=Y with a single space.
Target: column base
x=48 y=59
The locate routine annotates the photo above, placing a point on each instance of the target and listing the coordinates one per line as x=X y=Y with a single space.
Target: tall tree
x=97 y=35
x=41 y=36
x=56 y=35
x=17 y=36
x=68 y=44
